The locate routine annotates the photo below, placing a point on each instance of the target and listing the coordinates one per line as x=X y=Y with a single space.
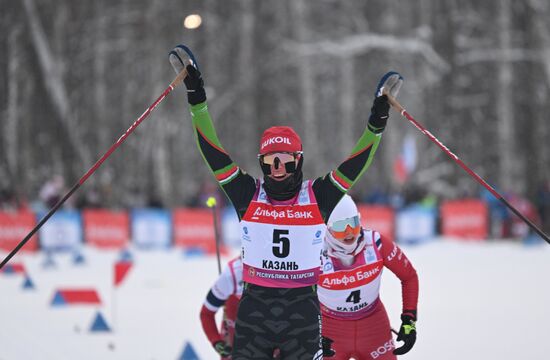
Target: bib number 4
x=281 y=244
x=354 y=297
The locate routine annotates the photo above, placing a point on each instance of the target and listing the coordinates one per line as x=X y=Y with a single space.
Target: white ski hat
x=344 y=214
x=345 y=209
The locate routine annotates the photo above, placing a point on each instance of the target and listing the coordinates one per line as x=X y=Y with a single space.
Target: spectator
x=52 y=191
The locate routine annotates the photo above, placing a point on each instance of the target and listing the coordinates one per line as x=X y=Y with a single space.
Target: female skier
x=353 y=315
x=282 y=220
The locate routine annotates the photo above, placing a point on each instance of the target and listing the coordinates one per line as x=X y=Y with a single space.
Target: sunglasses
x=269 y=159
x=343 y=228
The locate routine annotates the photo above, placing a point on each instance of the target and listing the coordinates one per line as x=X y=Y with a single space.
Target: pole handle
x=179 y=79
x=393 y=102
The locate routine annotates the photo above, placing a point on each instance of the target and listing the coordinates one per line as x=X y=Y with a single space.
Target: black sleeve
x=327 y=196
x=240 y=192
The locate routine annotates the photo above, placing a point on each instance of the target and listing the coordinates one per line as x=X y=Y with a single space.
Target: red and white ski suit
x=226 y=291
x=353 y=314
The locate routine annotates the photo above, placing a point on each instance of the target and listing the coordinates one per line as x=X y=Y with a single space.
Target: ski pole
x=472 y=173
x=176 y=82
x=211 y=203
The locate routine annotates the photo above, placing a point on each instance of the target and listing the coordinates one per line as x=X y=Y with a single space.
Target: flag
x=121 y=270
x=405 y=163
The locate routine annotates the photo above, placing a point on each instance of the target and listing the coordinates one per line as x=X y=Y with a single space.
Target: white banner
x=63 y=231
x=415 y=224
x=151 y=228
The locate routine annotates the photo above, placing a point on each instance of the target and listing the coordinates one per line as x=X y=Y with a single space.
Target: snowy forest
x=74 y=75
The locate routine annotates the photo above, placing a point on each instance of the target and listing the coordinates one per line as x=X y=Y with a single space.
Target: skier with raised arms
x=353 y=314
x=283 y=221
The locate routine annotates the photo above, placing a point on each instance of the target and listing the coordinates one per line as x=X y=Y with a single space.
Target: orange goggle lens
x=343 y=228
x=269 y=159
x=346 y=233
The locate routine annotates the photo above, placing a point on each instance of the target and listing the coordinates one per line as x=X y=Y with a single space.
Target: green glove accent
x=407 y=334
x=409 y=328
x=223 y=349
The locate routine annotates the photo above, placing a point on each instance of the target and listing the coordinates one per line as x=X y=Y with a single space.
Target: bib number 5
x=281 y=244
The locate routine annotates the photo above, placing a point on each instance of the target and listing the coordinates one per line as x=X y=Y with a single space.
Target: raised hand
x=390 y=82
x=181 y=58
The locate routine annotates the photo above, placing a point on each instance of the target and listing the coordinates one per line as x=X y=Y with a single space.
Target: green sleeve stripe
x=230 y=177
x=359 y=152
x=203 y=123
x=366 y=140
x=371 y=157
x=223 y=177
x=336 y=183
x=366 y=146
x=375 y=129
x=341 y=178
x=226 y=169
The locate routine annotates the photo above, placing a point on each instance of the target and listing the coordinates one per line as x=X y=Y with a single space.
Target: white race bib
x=353 y=292
x=282 y=244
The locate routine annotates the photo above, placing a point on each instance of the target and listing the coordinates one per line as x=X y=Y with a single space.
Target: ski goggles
x=284 y=157
x=341 y=229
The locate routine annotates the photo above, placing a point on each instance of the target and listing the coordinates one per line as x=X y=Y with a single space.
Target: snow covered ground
x=477 y=301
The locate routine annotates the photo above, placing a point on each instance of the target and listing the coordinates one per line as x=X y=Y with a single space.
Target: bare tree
x=53 y=80
x=74 y=75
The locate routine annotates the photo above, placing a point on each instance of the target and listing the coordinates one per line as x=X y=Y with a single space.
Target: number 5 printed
x=281 y=244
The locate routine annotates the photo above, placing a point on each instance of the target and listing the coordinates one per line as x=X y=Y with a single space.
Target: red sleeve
x=208 y=322
x=399 y=264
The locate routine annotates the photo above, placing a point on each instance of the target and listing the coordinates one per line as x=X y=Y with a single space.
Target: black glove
x=180 y=57
x=327 y=344
x=390 y=82
x=222 y=348
x=195 y=86
x=379 y=114
x=407 y=334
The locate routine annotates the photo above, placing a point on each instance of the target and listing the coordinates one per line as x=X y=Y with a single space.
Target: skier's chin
x=279 y=177
x=348 y=240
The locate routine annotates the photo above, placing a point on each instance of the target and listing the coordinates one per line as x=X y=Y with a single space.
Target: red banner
x=466 y=219
x=379 y=218
x=106 y=228
x=194 y=228
x=14 y=226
